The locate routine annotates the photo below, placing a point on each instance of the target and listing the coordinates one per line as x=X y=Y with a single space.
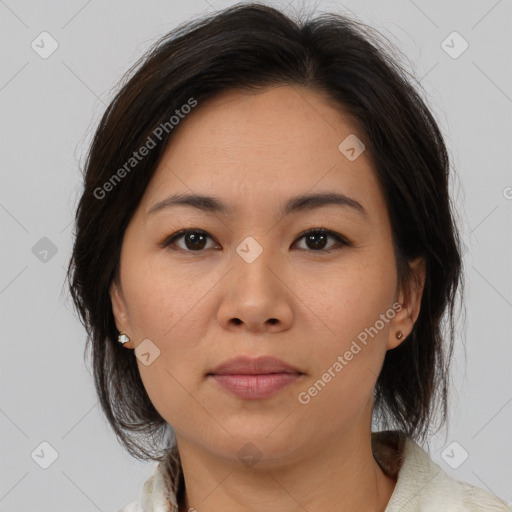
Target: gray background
x=49 y=108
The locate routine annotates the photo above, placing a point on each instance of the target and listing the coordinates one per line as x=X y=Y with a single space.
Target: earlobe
x=396 y=337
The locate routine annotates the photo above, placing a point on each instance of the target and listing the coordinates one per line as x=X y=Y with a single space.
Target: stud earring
x=399 y=335
x=123 y=338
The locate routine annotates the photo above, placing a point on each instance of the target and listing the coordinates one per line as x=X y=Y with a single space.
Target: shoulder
x=424 y=485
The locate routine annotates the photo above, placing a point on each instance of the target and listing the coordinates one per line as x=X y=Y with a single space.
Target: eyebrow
x=294 y=204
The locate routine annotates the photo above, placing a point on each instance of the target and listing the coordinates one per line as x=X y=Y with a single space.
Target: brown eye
x=193 y=240
x=317 y=239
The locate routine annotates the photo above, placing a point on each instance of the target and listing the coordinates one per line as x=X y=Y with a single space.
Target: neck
x=343 y=475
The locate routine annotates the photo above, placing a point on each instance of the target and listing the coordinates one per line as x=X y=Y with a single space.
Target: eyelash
x=341 y=241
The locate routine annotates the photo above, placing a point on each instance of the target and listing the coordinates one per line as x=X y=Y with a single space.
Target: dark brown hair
x=253 y=45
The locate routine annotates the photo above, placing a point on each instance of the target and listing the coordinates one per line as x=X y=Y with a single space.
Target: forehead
x=272 y=143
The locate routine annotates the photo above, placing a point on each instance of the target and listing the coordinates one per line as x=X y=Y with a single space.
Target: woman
x=264 y=253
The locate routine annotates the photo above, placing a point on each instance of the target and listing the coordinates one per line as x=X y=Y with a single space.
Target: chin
x=261 y=448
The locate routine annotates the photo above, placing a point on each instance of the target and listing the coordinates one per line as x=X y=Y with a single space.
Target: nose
x=256 y=296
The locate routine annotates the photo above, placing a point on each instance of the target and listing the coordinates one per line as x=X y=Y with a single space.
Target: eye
x=316 y=240
x=194 y=240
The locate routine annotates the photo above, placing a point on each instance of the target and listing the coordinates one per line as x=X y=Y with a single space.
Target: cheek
x=346 y=366
x=352 y=310
x=167 y=311
x=349 y=298
x=161 y=298
x=165 y=308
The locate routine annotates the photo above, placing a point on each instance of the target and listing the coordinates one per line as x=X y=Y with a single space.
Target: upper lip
x=253 y=366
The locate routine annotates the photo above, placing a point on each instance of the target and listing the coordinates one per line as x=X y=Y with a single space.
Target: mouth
x=254 y=378
x=246 y=365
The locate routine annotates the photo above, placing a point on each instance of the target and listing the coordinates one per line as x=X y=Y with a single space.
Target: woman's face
x=253 y=285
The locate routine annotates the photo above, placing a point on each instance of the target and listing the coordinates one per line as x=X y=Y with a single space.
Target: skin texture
x=254 y=150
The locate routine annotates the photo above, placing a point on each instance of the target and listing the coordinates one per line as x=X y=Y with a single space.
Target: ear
x=410 y=301
x=120 y=310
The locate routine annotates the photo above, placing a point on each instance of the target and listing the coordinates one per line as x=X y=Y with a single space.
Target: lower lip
x=256 y=386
